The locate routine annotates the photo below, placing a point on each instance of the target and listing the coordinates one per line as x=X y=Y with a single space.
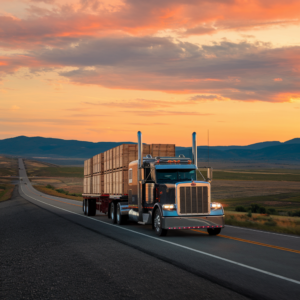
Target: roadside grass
x=6 y=191
x=279 y=224
x=50 y=190
x=56 y=172
x=8 y=166
x=280 y=203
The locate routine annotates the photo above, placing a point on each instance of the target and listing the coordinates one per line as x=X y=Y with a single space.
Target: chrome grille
x=193 y=200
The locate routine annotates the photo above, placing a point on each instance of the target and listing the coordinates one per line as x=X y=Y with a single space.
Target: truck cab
x=171 y=197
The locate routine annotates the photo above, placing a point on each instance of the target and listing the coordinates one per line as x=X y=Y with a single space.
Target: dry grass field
x=52 y=192
x=8 y=169
x=8 y=166
x=280 y=224
x=68 y=179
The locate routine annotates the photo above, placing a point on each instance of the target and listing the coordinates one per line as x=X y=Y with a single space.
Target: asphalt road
x=92 y=257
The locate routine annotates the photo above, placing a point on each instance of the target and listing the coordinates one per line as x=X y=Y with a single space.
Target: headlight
x=169 y=207
x=216 y=205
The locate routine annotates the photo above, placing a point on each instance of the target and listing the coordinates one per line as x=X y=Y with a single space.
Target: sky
x=102 y=70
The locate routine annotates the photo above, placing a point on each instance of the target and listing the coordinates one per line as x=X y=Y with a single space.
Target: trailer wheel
x=84 y=204
x=158 y=224
x=213 y=231
x=91 y=207
x=113 y=213
x=120 y=219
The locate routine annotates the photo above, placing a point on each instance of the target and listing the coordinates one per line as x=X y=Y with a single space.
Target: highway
x=240 y=263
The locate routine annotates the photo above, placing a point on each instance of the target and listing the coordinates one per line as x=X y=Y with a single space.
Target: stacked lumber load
x=107 y=173
x=88 y=176
x=93 y=182
x=116 y=163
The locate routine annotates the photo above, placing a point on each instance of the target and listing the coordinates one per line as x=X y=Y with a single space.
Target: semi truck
x=161 y=191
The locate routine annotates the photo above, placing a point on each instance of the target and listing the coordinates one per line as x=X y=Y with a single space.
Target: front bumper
x=193 y=222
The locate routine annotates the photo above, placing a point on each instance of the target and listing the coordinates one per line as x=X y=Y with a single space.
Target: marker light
x=216 y=205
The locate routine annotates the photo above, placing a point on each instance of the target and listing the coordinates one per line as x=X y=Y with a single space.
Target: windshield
x=173 y=176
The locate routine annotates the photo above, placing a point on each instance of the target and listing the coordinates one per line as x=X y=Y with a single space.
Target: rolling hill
x=73 y=149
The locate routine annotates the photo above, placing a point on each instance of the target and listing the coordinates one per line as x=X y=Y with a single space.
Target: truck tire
x=213 y=231
x=91 y=207
x=157 y=222
x=84 y=206
x=120 y=219
x=113 y=213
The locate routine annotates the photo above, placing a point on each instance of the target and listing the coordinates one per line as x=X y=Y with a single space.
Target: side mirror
x=209 y=174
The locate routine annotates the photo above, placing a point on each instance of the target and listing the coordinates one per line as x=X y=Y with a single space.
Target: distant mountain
x=71 y=149
x=250 y=147
x=49 y=147
x=293 y=141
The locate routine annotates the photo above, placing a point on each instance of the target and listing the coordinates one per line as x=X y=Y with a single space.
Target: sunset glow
x=102 y=70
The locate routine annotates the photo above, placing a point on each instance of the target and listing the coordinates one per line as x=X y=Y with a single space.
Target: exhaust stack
x=140 y=186
x=194 y=148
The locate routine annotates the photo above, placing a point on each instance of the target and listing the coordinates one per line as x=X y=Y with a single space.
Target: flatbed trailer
x=163 y=192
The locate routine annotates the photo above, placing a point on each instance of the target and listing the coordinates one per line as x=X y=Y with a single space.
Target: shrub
x=271 y=211
x=254 y=208
x=49 y=186
x=241 y=209
x=262 y=210
x=294 y=213
x=62 y=191
x=249 y=214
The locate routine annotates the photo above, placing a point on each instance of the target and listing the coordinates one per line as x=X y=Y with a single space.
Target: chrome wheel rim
x=157 y=222
x=112 y=209
x=118 y=214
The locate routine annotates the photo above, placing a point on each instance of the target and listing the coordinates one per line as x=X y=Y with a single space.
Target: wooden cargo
x=85 y=168
x=120 y=182
x=126 y=153
x=110 y=168
x=162 y=150
x=95 y=164
x=87 y=185
x=108 y=183
x=98 y=184
x=88 y=167
x=100 y=162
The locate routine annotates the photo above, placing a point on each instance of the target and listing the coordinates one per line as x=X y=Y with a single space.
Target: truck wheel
x=87 y=208
x=91 y=207
x=213 y=231
x=120 y=219
x=158 y=224
x=113 y=213
x=84 y=204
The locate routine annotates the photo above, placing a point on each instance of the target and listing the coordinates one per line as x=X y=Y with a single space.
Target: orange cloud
x=68 y=23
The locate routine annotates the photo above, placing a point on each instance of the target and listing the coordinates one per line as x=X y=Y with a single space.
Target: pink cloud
x=68 y=23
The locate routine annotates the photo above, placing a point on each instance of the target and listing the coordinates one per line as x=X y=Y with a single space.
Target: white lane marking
x=174 y=244
x=290 y=236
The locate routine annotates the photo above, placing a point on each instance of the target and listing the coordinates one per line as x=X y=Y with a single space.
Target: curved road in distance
x=255 y=264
